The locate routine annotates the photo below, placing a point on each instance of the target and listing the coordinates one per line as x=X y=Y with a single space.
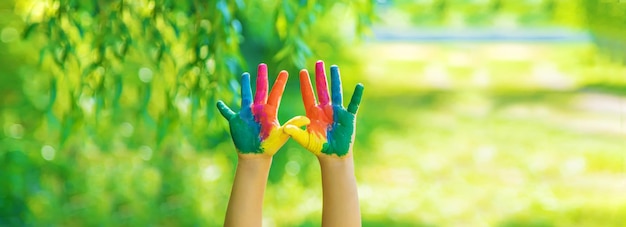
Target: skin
x=255 y=128
x=257 y=136
x=330 y=136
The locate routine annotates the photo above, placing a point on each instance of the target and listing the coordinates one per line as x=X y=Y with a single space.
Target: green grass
x=515 y=152
x=493 y=143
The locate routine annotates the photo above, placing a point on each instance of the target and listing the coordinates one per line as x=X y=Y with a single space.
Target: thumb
x=298 y=121
x=224 y=110
x=299 y=135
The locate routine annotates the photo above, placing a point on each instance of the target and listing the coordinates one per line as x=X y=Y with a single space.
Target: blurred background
x=475 y=112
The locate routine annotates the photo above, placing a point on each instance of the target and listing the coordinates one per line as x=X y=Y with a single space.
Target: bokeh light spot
x=8 y=34
x=16 y=131
x=211 y=173
x=292 y=168
x=127 y=129
x=48 y=152
x=145 y=75
x=145 y=152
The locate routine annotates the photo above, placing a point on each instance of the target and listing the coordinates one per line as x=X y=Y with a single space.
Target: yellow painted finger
x=307 y=140
x=298 y=121
x=276 y=139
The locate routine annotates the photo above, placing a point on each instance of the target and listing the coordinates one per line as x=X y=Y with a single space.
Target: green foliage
x=606 y=20
x=108 y=116
x=112 y=111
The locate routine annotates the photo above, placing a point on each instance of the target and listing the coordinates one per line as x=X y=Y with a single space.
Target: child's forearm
x=246 y=199
x=341 y=200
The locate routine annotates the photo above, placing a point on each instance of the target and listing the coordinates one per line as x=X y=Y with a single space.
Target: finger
x=246 y=91
x=225 y=111
x=277 y=90
x=321 y=83
x=353 y=107
x=307 y=90
x=337 y=93
x=299 y=135
x=298 y=121
x=260 y=97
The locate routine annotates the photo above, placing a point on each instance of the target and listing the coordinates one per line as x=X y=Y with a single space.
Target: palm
x=255 y=128
x=331 y=131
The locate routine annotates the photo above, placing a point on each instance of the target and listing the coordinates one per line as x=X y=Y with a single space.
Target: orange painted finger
x=260 y=97
x=277 y=90
x=321 y=83
x=308 y=98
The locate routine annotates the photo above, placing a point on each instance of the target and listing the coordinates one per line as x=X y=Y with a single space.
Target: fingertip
x=304 y=73
x=319 y=66
x=358 y=90
x=290 y=129
x=262 y=70
x=305 y=120
x=283 y=73
x=262 y=67
x=224 y=110
x=300 y=121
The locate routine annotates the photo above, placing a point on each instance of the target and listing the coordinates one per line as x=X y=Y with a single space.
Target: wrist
x=254 y=161
x=336 y=162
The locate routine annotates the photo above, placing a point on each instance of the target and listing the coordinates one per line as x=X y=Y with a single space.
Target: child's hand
x=331 y=130
x=255 y=129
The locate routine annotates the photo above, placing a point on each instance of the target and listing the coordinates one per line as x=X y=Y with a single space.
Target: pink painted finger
x=260 y=97
x=321 y=83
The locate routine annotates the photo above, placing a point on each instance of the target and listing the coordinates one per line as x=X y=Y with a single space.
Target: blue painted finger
x=335 y=79
x=246 y=91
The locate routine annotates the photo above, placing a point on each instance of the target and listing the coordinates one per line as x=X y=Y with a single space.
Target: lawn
x=477 y=135
x=448 y=134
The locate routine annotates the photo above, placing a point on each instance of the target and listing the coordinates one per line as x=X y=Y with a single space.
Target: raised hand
x=331 y=128
x=255 y=128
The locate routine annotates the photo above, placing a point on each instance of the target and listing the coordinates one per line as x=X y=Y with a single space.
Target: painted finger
x=246 y=91
x=277 y=90
x=260 y=97
x=353 y=107
x=321 y=83
x=299 y=135
x=225 y=111
x=307 y=90
x=337 y=93
x=298 y=121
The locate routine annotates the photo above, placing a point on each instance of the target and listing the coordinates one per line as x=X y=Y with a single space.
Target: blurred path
x=543 y=35
x=480 y=134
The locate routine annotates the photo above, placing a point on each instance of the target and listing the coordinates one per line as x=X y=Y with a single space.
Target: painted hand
x=255 y=129
x=331 y=130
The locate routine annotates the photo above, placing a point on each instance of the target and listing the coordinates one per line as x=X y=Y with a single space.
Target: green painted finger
x=356 y=99
x=225 y=111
